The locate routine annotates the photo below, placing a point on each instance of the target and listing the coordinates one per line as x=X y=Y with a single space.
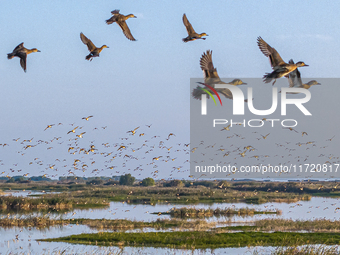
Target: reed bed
x=318 y=225
x=187 y=212
x=307 y=250
x=288 y=225
x=48 y=201
x=230 y=192
x=120 y=224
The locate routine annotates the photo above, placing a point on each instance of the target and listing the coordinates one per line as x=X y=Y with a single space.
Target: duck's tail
x=110 y=20
x=268 y=77
x=89 y=57
x=186 y=39
x=197 y=92
x=10 y=55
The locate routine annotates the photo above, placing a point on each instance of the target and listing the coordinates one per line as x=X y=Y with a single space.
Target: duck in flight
x=192 y=35
x=21 y=52
x=120 y=20
x=94 y=51
x=280 y=67
x=211 y=78
x=295 y=81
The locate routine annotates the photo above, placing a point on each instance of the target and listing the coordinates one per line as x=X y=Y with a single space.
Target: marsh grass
x=288 y=225
x=38 y=222
x=120 y=224
x=49 y=201
x=234 y=192
x=307 y=250
x=200 y=239
x=187 y=212
x=158 y=224
x=318 y=225
x=196 y=194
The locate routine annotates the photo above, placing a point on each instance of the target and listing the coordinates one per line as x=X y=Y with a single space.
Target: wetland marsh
x=230 y=227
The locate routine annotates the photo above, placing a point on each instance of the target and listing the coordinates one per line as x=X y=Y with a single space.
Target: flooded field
x=22 y=240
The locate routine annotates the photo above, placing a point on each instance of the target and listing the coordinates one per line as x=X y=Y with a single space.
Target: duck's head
x=300 y=64
x=131 y=16
x=313 y=82
x=204 y=34
x=237 y=82
x=105 y=46
x=35 y=50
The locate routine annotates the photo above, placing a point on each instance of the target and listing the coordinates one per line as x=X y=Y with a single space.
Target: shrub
x=127 y=179
x=174 y=183
x=148 y=182
x=95 y=182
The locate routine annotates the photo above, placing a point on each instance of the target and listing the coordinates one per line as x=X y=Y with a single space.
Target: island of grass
x=201 y=239
x=187 y=212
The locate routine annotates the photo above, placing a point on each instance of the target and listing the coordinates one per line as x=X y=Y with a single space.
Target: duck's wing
x=115 y=12
x=88 y=42
x=23 y=58
x=113 y=19
x=225 y=92
x=294 y=77
x=207 y=65
x=274 y=56
x=187 y=25
x=126 y=30
x=19 y=47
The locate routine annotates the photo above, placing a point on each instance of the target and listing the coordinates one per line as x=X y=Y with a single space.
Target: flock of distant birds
x=235 y=149
x=71 y=151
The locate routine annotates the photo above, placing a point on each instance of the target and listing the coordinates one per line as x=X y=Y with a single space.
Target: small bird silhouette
x=87 y=118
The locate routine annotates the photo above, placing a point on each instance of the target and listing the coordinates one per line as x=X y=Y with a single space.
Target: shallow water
x=22 y=241
x=26 y=193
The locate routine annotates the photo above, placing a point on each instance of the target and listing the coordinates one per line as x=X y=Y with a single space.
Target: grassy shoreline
x=192 y=195
x=195 y=192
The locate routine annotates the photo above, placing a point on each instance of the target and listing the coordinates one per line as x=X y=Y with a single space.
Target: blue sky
x=139 y=83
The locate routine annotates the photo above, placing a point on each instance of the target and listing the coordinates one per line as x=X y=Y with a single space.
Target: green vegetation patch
x=197 y=239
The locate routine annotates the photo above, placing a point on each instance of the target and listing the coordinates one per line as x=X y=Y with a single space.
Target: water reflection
x=25 y=193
